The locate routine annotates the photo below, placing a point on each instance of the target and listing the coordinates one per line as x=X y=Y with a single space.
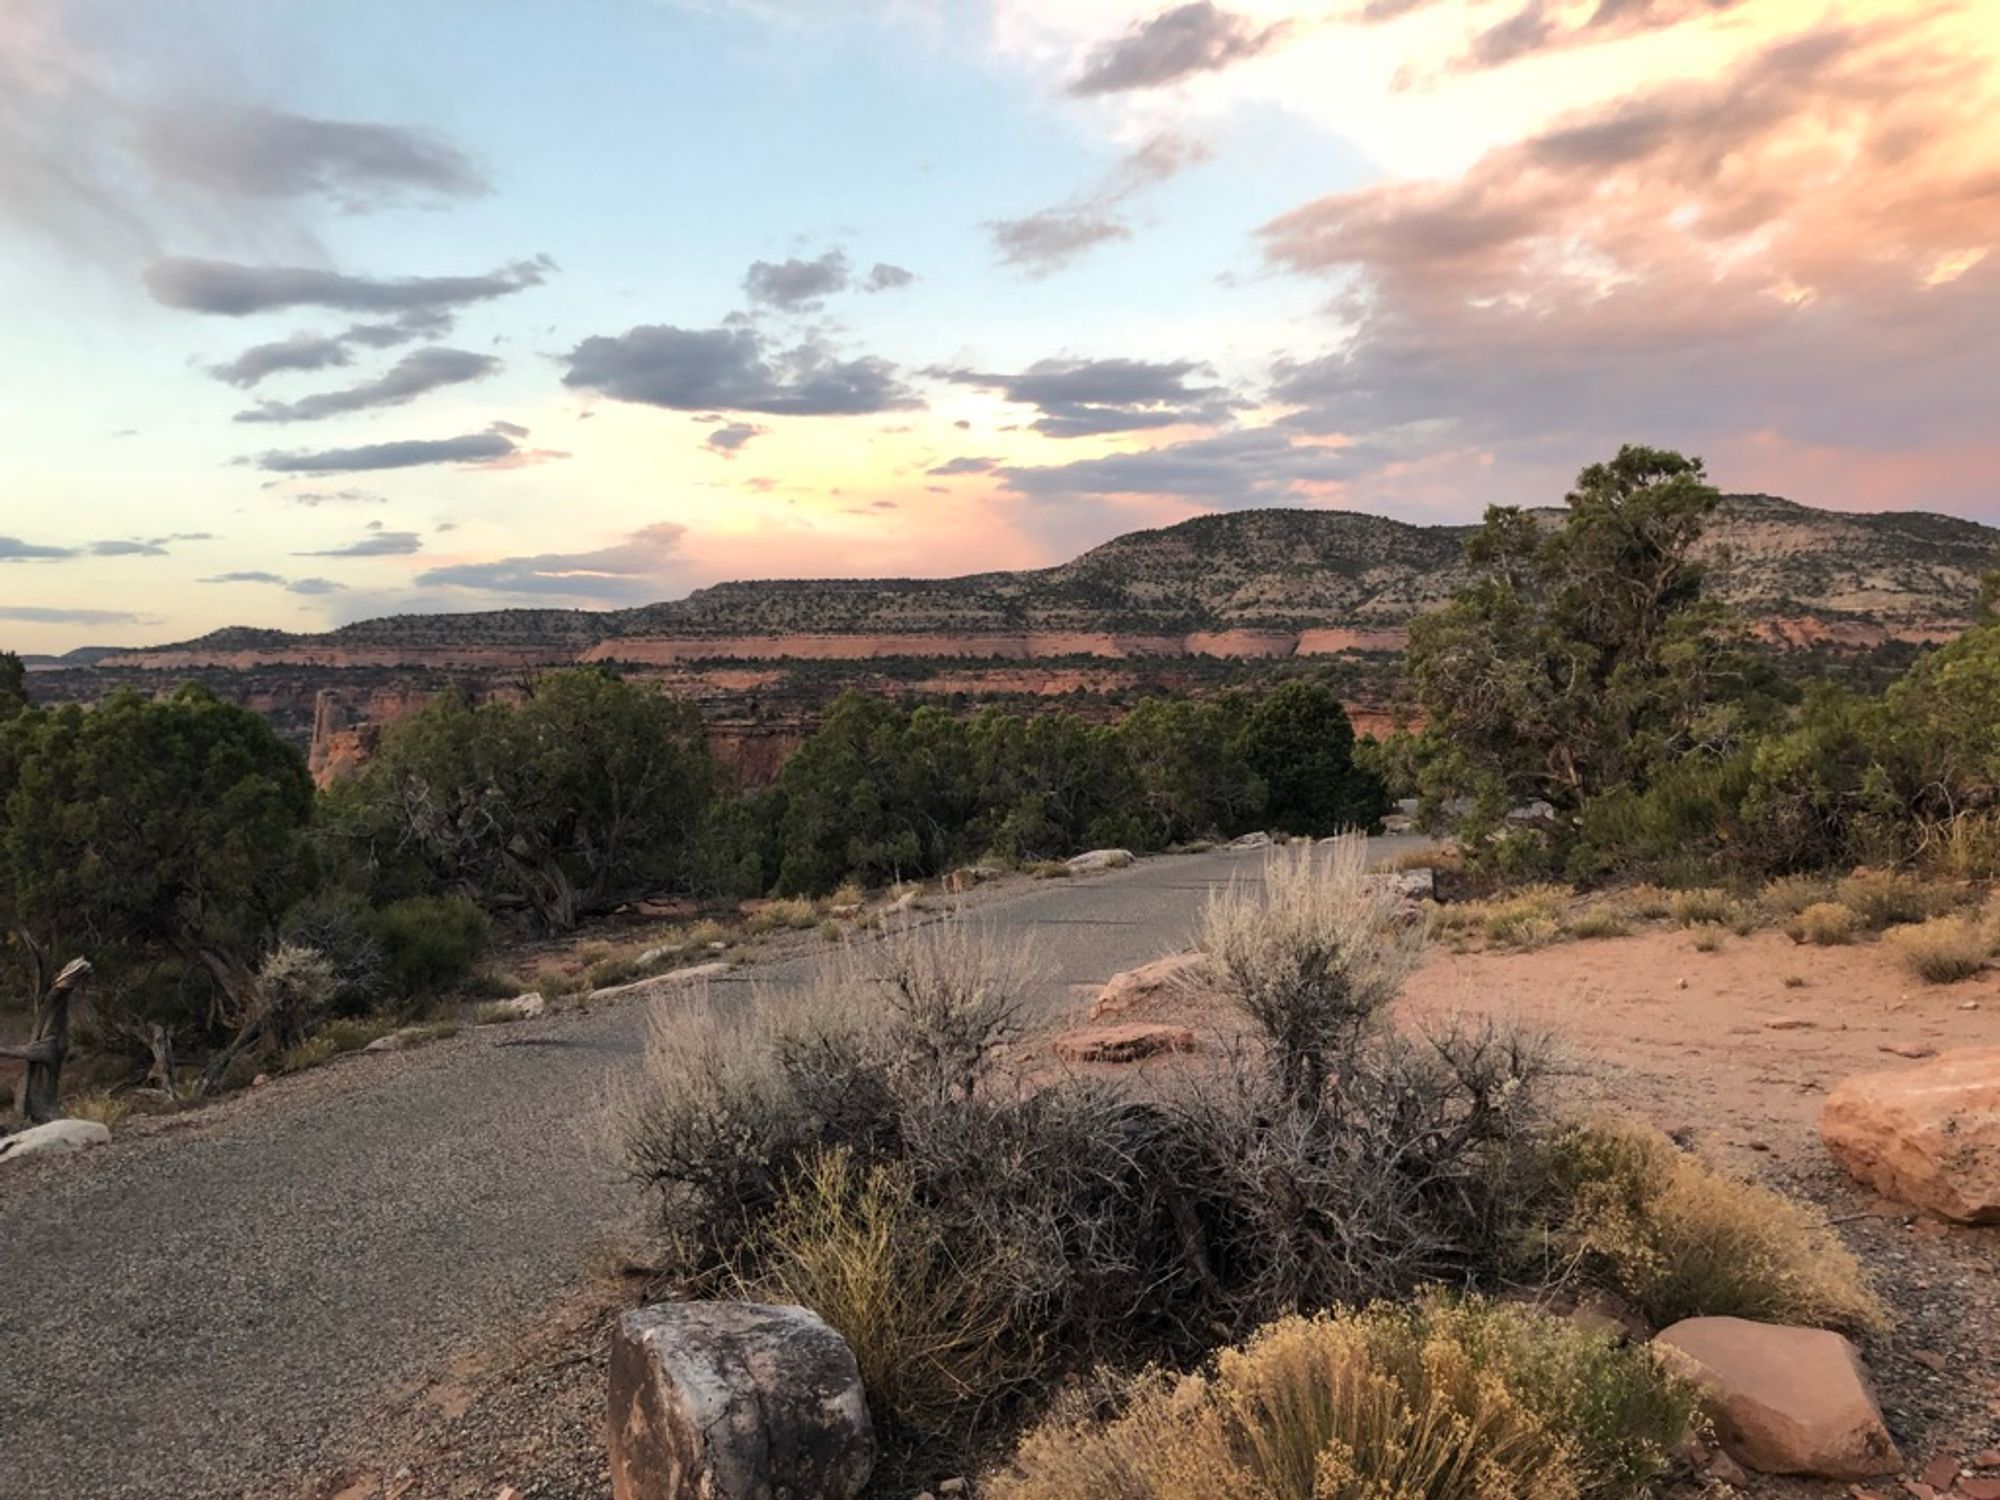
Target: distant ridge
x=1234 y=583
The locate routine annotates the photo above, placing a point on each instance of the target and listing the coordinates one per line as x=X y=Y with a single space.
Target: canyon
x=1219 y=600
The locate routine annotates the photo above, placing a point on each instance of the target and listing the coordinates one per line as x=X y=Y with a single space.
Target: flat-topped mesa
x=1248 y=585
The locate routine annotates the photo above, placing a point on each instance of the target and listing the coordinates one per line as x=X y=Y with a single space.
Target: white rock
x=1258 y=840
x=53 y=1139
x=526 y=1007
x=689 y=975
x=1099 y=859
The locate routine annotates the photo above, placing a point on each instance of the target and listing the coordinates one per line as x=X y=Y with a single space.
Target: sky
x=311 y=313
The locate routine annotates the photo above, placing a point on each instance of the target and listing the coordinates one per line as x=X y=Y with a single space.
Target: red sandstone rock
x=1928 y=1135
x=1126 y=1043
x=1135 y=988
x=1784 y=1400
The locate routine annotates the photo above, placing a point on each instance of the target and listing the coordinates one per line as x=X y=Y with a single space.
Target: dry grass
x=1708 y=938
x=332 y=1040
x=1645 y=903
x=1679 y=1239
x=1707 y=906
x=1824 y=924
x=1602 y=921
x=106 y=1108
x=1530 y=917
x=1789 y=895
x=929 y=1321
x=1943 y=950
x=780 y=916
x=1440 y=1400
x=1444 y=857
x=1888 y=898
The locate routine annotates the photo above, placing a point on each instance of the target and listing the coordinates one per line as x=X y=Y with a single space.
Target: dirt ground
x=1733 y=1051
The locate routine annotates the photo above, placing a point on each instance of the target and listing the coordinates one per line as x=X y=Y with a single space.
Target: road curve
x=196 y=1311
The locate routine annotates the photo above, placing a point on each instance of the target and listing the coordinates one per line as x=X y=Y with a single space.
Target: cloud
x=733 y=369
x=729 y=439
x=1805 y=246
x=1089 y=397
x=955 y=466
x=485 y=448
x=1258 y=466
x=35 y=614
x=126 y=548
x=13 y=549
x=252 y=151
x=377 y=543
x=1538 y=27
x=309 y=586
x=228 y=289
x=414 y=375
x=796 y=285
x=1044 y=242
x=299 y=351
x=1176 y=44
x=883 y=277
x=645 y=565
x=341 y=497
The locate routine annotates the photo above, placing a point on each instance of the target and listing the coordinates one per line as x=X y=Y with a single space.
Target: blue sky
x=1105 y=264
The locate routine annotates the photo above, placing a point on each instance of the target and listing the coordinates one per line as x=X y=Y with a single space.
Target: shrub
x=929 y=1320
x=1678 y=1239
x=1312 y=957
x=1943 y=950
x=1705 y=904
x=331 y=1041
x=777 y=916
x=1887 y=898
x=1598 y=922
x=1824 y=924
x=1442 y=1400
x=1789 y=895
x=1708 y=938
x=1646 y=903
x=430 y=942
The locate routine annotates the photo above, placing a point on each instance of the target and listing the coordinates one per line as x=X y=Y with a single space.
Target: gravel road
x=194 y=1312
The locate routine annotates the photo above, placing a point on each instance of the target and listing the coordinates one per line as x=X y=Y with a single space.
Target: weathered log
x=41 y=1080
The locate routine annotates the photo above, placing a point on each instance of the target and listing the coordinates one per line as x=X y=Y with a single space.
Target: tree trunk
x=35 y=1097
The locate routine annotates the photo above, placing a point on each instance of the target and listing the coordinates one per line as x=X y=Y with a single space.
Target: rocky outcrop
x=1928 y=1135
x=735 y=1401
x=53 y=1139
x=1123 y=1043
x=1783 y=1400
x=1134 y=989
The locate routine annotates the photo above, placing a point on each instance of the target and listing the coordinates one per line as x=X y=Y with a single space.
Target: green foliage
x=13 y=684
x=1583 y=659
x=429 y=943
x=1192 y=778
x=1299 y=743
x=164 y=840
x=588 y=792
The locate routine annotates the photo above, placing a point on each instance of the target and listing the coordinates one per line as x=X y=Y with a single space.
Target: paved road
x=195 y=1313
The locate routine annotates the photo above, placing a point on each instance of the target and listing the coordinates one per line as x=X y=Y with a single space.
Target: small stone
x=1911 y=1050
x=260 y=1080
x=1929 y=1360
x=1726 y=1470
x=1940 y=1473
x=1968 y=1005
x=1680 y=984
x=1988 y=1458
x=1980 y=1487
x=1919 y=1490
x=1789 y=1023
x=951 y=1487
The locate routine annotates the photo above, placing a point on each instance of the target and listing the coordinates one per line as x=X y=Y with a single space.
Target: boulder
x=735 y=1401
x=53 y=1139
x=1928 y=1136
x=1412 y=886
x=1257 y=840
x=526 y=1007
x=690 y=974
x=1126 y=1043
x=1099 y=859
x=1783 y=1400
x=395 y=1041
x=1127 y=992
